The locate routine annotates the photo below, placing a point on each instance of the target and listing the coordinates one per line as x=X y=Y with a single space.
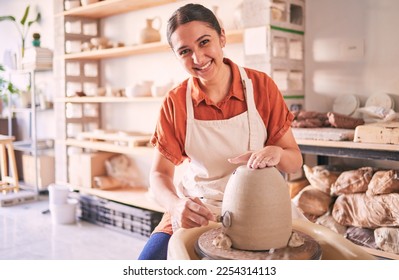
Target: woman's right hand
x=186 y=212
x=190 y=212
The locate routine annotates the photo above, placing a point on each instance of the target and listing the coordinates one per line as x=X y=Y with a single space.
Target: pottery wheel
x=310 y=250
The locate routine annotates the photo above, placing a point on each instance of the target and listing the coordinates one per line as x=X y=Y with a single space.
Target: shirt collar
x=236 y=89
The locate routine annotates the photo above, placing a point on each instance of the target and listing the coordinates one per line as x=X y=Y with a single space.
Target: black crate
x=121 y=217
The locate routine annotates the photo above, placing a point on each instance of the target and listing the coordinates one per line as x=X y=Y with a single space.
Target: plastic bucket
x=58 y=194
x=64 y=213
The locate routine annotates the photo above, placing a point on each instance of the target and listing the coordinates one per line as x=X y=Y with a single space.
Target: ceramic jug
x=256 y=209
x=151 y=34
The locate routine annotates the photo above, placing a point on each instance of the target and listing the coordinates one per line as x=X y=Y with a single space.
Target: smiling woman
x=222 y=117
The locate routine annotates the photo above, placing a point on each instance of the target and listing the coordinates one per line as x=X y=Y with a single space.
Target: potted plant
x=5 y=87
x=24 y=26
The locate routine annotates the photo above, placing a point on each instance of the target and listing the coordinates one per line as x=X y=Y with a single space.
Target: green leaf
x=12 y=88
x=23 y=20
x=37 y=19
x=7 y=18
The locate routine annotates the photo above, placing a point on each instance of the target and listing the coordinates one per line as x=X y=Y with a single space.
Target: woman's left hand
x=268 y=156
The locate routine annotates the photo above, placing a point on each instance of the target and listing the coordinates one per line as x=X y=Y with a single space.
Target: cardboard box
x=45 y=167
x=83 y=167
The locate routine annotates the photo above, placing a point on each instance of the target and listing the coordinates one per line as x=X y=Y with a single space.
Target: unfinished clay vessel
x=151 y=34
x=256 y=209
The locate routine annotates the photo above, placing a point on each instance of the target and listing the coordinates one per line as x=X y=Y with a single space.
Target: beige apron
x=210 y=143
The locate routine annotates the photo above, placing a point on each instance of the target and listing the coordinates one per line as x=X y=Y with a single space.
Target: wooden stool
x=8 y=181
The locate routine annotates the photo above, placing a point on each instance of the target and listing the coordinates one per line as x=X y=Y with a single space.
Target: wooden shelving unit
x=107 y=99
x=349 y=145
x=108 y=8
x=119 y=52
x=233 y=36
x=350 y=149
x=107 y=147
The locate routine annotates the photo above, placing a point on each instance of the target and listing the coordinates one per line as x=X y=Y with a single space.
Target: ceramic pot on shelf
x=150 y=33
x=139 y=89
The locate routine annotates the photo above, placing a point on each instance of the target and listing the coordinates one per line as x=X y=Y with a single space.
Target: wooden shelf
x=108 y=147
x=113 y=7
x=119 y=52
x=106 y=99
x=234 y=36
x=349 y=149
x=134 y=196
x=348 y=145
x=28 y=110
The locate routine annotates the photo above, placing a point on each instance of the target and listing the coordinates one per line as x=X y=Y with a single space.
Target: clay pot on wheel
x=256 y=209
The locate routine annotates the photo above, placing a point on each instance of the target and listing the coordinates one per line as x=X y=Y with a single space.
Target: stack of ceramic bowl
x=346 y=104
x=381 y=100
x=378 y=107
x=139 y=89
x=62 y=208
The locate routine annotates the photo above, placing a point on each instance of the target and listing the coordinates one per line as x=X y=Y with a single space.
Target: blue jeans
x=156 y=247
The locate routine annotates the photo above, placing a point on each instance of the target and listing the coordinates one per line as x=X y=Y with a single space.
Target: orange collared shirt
x=170 y=133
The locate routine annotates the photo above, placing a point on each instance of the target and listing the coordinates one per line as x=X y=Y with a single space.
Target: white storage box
x=288 y=14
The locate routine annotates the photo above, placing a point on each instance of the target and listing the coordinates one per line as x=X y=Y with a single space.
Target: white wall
x=330 y=72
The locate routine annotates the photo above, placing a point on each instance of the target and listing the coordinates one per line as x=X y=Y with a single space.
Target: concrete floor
x=26 y=233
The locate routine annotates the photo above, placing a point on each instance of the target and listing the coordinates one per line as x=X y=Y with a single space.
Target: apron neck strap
x=189 y=100
x=252 y=111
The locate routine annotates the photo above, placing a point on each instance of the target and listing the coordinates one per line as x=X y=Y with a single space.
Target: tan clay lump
x=296 y=240
x=222 y=241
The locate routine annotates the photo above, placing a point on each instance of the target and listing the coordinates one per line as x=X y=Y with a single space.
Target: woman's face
x=199 y=49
